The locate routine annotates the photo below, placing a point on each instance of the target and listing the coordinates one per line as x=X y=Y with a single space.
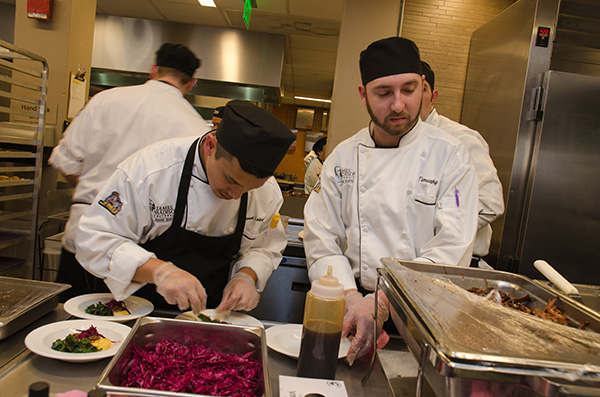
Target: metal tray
x=23 y=301
x=464 y=344
x=230 y=339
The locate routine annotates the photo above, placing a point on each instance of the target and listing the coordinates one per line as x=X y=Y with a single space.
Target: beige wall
x=442 y=30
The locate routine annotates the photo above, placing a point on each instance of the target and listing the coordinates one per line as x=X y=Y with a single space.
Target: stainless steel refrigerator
x=532 y=90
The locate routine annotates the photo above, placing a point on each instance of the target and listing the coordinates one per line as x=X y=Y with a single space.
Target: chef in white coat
x=313 y=171
x=177 y=218
x=491 y=202
x=398 y=188
x=114 y=124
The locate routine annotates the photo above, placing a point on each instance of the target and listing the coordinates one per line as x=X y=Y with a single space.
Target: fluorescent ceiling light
x=313 y=99
x=207 y=3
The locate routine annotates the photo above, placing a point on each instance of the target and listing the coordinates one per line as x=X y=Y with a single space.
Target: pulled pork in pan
x=550 y=312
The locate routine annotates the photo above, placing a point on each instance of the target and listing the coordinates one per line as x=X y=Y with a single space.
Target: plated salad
x=83 y=341
x=110 y=308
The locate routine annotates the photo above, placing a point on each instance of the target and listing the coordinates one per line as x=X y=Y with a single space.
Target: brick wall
x=442 y=29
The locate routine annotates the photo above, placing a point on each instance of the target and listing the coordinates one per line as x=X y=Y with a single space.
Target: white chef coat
x=414 y=202
x=309 y=158
x=113 y=125
x=311 y=176
x=491 y=202
x=108 y=245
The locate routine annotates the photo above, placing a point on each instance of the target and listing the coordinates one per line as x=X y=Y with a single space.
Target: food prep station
x=19 y=367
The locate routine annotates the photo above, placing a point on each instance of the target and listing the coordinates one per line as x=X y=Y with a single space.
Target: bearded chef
x=176 y=219
x=399 y=188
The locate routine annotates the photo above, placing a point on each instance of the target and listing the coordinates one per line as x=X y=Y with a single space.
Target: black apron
x=207 y=258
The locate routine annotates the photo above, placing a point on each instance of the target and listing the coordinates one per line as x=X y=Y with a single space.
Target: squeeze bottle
x=322 y=328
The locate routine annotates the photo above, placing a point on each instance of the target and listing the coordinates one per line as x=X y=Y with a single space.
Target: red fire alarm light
x=39 y=9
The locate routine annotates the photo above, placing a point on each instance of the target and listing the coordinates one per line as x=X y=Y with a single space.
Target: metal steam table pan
x=468 y=344
x=23 y=301
x=225 y=338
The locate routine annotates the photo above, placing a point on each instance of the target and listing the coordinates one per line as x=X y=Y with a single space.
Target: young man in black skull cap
x=185 y=214
x=398 y=188
x=113 y=125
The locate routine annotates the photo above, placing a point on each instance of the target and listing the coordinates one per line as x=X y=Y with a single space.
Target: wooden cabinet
x=23 y=86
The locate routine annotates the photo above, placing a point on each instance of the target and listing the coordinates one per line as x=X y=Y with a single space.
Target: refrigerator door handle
x=536 y=110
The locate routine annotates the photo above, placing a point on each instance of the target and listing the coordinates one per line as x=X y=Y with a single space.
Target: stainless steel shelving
x=23 y=88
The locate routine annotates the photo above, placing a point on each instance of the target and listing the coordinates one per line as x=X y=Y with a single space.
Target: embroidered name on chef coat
x=427 y=180
x=112 y=203
x=344 y=175
x=161 y=213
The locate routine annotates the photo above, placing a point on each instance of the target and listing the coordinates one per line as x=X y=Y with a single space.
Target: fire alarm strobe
x=39 y=9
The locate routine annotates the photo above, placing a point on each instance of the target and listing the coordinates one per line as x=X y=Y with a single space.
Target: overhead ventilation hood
x=235 y=64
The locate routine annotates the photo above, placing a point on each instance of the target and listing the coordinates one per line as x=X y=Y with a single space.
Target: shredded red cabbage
x=170 y=366
x=115 y=305
x=87 y=333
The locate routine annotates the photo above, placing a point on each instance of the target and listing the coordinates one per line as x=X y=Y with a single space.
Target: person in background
x=398 y=188
x=313 y=171
x=310 y=157
x=491 y=203
x=217 y=116
x=113 y=125
x=175 y=217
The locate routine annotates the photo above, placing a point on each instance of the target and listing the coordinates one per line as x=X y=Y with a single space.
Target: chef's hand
x=358 y=322
x=239 y=294
x=180 y=288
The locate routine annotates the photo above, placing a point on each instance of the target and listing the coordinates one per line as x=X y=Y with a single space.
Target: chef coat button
x=365 y=229
x=408 y=192
x=423 y=154
x=365 y=268
x=230 y=230
x=363 y=189
x=404 y=234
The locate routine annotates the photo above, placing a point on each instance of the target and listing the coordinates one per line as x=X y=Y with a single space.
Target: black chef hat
x=218 y=112
x=178 y=57
x=429 y=75
x=386 y=57
x=254 y=135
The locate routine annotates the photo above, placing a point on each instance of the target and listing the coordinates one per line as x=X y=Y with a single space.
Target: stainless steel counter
x=19 y=368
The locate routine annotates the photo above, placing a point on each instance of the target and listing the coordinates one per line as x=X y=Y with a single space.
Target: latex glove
x=239 y=294
x=180 y=288
x=358 y=322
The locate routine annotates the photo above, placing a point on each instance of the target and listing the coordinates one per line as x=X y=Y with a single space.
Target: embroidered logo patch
x=344 y=175
x=317 y=187
x=161 y=213
x=112 y=203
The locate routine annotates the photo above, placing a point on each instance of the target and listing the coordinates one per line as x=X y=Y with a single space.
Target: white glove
x=358 y=322
x=239 y=294
x=179 y=287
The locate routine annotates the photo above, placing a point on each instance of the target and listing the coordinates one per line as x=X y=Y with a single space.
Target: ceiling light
x=207 y=3
x=313 y=99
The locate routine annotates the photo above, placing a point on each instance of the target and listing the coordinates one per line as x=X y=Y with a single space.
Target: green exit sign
x=247 y=11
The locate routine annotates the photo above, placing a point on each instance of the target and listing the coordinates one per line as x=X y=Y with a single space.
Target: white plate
x=40 y=339
x=234 y=318
x=138 y=307
x=286 y=339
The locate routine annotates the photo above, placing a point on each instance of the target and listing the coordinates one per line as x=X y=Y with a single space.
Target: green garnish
x=206 y=319
x=99 y=310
